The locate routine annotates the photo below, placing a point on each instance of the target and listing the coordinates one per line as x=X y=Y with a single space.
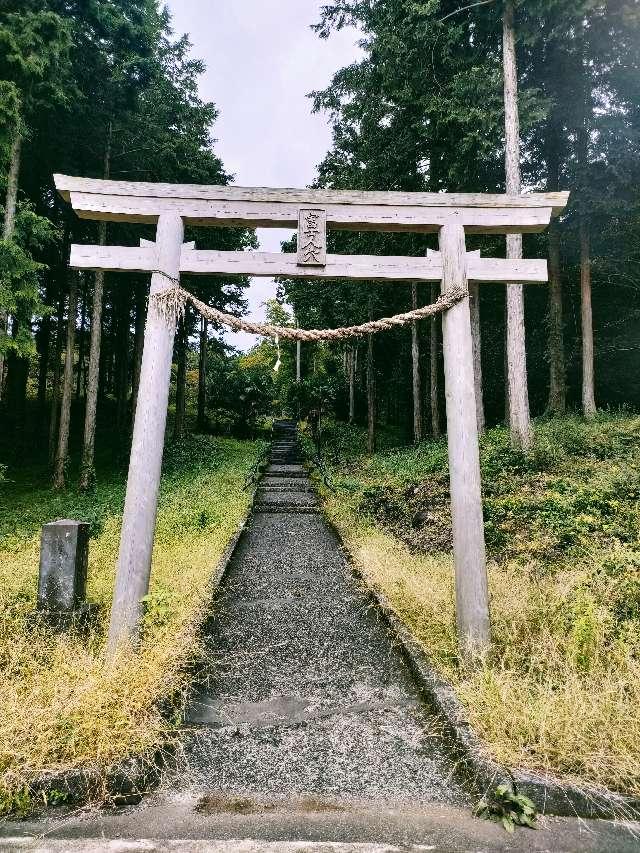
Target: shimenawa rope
x=171 y=303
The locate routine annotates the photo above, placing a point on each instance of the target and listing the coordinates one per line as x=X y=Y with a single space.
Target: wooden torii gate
x=170 y=207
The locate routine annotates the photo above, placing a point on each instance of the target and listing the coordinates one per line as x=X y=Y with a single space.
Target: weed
x=506 y=807
x=55 y=798
x=15 y=801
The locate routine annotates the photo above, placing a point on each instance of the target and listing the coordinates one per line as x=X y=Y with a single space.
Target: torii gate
x=171 y=207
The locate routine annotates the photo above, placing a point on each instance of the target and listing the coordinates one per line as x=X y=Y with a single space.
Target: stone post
x=62 y=582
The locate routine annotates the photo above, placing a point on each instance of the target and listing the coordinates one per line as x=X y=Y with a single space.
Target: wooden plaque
x=312 y=237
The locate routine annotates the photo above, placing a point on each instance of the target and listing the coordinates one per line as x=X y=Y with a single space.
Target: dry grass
x=60 y=706
x=560 y=690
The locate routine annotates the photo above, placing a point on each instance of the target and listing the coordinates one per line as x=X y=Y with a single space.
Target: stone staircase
x=285 y=486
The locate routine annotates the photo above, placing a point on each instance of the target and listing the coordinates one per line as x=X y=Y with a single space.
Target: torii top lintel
x=312 y=212
x=277 y=208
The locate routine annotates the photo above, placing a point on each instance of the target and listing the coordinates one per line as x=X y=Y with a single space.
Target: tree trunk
x=181 y=379
x=55 y=384
x=557 y=403
x=87 y=467
x=44 y=342
x=11 y=199
x=138 y=346
x=353 y=350
x=586 y=315
x=433 y=372
x=59 y=474
x=588 y=390
x=122 y=362
x=87 y=472
x=10 y=205
x=371 y=398
x=519 y=419
x=202 y=375
x=474 y=311
x=16 y=394
x=106 y=371
x=81 y=347
x=415 y=371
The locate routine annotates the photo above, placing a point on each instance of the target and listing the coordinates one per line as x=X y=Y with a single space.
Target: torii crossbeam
x=171 y=207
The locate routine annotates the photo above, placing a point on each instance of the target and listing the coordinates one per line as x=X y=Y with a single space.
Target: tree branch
x=465 y=8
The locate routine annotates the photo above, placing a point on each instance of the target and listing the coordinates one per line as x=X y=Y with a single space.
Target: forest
x=107 y=89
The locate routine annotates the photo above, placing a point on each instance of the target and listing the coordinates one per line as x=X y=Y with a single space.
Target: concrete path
x=309 y=733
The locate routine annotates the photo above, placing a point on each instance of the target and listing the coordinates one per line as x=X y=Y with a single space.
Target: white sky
x=262 y=60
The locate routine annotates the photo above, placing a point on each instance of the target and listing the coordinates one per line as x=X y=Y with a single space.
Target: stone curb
x=127 y=782
x=95 y=845
x=550 y=795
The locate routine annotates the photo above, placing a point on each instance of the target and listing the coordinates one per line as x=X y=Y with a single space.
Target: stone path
x=309 y=727
x=308 y=698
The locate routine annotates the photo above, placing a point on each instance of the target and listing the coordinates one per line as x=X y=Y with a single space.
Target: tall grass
x=560 y=690
x=60 y=706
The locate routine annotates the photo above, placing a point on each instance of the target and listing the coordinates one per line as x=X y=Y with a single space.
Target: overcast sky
x=262 y=60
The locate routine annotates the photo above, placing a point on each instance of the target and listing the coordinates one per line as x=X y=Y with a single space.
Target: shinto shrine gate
x=171 y=207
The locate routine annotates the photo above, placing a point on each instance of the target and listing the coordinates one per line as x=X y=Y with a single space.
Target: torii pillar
x=472 y=593
x=143 y=483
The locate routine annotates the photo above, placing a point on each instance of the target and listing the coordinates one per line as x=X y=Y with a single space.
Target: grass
x=60 y=706
x=560 y=689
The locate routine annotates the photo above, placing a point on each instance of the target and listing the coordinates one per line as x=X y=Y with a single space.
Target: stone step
x=285 y=471
x=287 y=486
x=282 y=498
x=294 y=484
x=284 y=509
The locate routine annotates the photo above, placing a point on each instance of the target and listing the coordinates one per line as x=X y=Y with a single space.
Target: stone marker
x=62 y=583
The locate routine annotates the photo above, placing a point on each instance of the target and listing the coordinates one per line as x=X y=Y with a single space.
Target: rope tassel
x=279 y=361
x=172 y=303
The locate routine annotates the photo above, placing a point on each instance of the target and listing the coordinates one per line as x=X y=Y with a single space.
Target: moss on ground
x=560 y=689
x=60 y=706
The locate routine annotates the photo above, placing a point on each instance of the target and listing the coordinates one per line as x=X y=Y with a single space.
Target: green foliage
x=19 y=294
x=15 y=802
x=313 y=395
x=158 y=608
x=9 y=115
x=241 y=389
x=34 y=46
x=422 y=109
x=55 y=797
x=508 y=808
x=579 y=488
